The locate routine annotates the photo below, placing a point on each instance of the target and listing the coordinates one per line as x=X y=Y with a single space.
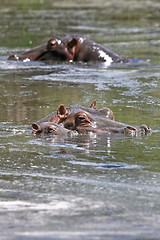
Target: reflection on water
x=89 y=186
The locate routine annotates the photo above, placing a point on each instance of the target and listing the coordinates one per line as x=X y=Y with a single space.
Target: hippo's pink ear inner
x=71 y=47
x=93 y=105
x=61 y=110
x=72 y=43
x=62 y=113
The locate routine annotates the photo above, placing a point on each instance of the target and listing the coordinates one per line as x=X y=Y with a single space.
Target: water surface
x=88 y=186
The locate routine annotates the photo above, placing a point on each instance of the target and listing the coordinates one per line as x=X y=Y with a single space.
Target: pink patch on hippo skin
x=108 y=60
x=26 y=60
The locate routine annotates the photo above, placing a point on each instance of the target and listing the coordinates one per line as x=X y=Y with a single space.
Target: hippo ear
x=61 y=110
x=36 y=128
x=62 y=113
x=93 y=105
x=72 y=42
x=71 y=47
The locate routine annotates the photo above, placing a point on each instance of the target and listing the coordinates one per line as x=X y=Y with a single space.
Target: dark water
x=86 y=187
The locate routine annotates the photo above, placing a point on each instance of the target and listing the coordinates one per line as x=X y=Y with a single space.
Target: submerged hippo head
x=51 y=128
x=45 y=127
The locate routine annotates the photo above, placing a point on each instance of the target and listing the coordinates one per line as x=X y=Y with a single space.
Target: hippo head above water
x=70 y=48
x=78 y=48
x=84 y=120
x=60 y=48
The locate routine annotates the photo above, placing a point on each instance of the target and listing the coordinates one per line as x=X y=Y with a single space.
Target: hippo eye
x=51 y=129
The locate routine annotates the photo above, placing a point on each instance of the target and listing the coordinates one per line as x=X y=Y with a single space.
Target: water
x=85 y=187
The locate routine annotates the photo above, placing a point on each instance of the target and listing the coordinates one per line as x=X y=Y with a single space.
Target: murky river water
x=86 y=187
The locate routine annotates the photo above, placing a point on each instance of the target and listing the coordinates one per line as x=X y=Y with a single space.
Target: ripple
x=106 y=165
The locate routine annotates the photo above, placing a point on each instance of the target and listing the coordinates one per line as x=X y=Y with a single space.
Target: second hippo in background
x=71 y=48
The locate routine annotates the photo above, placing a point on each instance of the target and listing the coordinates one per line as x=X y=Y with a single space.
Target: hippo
x=70 y=48
x=82 y=49
x=84 y=122
x=89 y=119
x=51 y=128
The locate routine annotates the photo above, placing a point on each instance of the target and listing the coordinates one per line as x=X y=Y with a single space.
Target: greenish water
x=86 y=187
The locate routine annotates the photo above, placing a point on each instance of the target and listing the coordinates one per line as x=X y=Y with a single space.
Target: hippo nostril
x=50 y=130
x=52 y=43
x=82 y=118
x=145 y=128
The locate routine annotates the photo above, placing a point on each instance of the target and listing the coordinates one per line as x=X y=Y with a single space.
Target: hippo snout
x=13 y=57
x=141 y=130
